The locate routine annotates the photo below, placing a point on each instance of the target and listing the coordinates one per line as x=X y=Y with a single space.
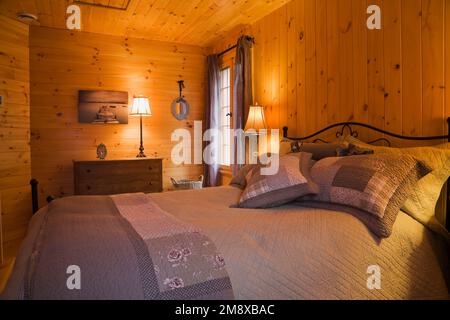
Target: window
x=225 y=116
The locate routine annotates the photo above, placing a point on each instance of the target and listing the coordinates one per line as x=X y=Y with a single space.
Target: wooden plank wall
x=316 y=63
x=63 y=62
x=14 y=132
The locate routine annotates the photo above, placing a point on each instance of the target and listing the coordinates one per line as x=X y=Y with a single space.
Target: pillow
x=421 y=204
x=239 y=179
x=352 y=150
x=285 y=147
x=318 y=150
x=290 y=182
x=378 y=185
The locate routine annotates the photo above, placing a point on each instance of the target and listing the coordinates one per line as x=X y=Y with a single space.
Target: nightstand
x=105 y=177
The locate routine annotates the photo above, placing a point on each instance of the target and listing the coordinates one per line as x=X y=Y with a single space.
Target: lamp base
x=141 y=153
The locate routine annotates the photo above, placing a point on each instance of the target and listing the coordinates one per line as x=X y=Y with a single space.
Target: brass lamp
x=141 y=108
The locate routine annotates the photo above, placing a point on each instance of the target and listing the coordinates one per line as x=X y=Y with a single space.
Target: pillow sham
x=378 y=185
x=318 y=150
x=421 y=204
x=290 y=182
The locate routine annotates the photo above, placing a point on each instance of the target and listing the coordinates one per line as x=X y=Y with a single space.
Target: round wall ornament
x=101 y=151
x=180 y=107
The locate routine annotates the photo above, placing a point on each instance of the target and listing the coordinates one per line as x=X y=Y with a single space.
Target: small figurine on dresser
x=101 y=151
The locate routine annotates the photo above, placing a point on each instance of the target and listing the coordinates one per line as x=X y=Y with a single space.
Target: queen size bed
x=291 y=251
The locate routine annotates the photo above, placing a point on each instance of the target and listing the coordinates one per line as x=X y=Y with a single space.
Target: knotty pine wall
x=63 y=62
x=316 y=63
x=15 y=164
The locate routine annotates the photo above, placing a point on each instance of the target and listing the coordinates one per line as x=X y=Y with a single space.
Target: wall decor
x=102 y=151
x=98 y=107
x=180 y=107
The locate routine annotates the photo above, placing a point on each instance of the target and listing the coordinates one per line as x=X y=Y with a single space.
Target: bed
x=288 y=252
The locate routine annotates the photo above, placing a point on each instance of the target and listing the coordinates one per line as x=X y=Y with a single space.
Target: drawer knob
x=150 y=168
x=150 y=183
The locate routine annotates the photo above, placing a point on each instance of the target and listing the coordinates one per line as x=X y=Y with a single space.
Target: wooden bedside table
x=104 y=177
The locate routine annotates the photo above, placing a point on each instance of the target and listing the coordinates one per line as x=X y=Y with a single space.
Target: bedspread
x=125 y=247
x=290 y=252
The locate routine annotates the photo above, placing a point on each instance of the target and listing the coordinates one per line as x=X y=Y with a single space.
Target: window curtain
x=242 y=95
x=212 y=116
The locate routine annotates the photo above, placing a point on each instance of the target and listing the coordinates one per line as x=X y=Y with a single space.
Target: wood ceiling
x=196 y=22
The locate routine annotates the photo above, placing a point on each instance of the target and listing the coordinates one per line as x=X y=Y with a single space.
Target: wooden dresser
x=103 y=177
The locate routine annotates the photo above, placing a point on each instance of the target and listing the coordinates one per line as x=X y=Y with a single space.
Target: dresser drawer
x=105 y=177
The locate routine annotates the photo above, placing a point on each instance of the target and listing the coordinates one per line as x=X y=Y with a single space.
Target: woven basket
x=188 y=184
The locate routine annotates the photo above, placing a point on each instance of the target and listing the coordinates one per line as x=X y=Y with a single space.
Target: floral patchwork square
x=184 y=260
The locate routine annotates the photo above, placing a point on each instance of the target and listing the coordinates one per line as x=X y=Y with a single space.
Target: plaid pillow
x=378 y=185
x=421 y=204
x=291 y=182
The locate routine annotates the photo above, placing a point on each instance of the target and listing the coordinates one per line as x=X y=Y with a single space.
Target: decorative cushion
x=421 y=204
x=290 y=182
x=352 y=150
x=318 y=150
x=376 y=184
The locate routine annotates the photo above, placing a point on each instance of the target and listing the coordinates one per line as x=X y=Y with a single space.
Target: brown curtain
x=212 y=115
x=242 y=93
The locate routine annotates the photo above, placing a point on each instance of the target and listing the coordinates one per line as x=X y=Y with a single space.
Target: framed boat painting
x=102 y=107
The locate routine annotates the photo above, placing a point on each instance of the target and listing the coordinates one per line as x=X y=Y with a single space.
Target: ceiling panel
x=109 y=4
x=197 y=22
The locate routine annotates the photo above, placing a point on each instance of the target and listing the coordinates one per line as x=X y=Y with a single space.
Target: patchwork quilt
x=125 y=247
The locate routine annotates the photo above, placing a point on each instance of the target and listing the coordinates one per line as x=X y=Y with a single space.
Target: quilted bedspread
x=290 y=252
x=294 y=252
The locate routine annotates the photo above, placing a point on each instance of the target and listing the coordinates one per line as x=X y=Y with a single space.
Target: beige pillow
x=421 y=204
x=285 y=147
x=290 y=182
x=376 y=185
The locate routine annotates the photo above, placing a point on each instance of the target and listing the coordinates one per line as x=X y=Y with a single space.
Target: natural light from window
x=225 y=116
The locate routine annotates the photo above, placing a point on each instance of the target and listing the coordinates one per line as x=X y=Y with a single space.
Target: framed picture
x=103 y=107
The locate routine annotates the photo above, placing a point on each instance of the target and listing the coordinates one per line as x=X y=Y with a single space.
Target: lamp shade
x=141 y=107
x=256 y=119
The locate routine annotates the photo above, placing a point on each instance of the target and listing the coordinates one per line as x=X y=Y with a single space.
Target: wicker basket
x=188 y=184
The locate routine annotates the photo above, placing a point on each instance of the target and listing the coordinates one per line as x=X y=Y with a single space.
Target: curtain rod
x=227 y=50
x=235 y=46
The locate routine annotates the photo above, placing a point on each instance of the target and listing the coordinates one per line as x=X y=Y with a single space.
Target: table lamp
x=256 y=119
x=141 y=108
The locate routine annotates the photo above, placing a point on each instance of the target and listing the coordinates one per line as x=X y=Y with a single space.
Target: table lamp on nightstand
x=256 y=119
x=141 y=108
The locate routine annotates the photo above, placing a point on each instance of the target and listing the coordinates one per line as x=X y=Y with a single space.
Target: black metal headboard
x=342 y=126
x=354 y=133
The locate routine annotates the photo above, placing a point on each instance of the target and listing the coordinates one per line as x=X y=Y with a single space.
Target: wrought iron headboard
x=354 y=133
x=342 y=126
